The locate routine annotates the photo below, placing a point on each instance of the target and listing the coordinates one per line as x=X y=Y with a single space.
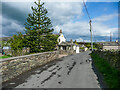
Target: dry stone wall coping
x=24 y=56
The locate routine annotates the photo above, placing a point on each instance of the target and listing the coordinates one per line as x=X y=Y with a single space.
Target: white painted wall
x=61 y=48
x=77 y=49
x=61 y=39
x=74 y=47
x=86 y=48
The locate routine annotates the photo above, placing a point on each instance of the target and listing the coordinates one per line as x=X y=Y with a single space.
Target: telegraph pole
x=91 y=35
x=89 y=23
x=39 y=2
x=110 y=37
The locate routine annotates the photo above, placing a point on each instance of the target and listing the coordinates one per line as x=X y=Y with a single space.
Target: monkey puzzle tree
x=39 y=29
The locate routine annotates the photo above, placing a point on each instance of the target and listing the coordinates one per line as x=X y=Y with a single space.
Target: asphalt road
x=68 y=72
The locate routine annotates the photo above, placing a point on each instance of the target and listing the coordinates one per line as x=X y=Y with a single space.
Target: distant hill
x=5 y=38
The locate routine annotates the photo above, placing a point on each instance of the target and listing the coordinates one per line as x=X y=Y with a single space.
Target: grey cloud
x=11 y=27
x=13 y=13
x=61 y=13
x=13 y=19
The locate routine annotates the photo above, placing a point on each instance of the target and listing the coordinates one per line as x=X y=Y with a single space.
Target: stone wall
x=66 y=52
x=12 y=67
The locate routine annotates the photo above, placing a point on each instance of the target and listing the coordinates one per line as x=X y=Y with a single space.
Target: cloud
x=61 y=0
x=79 y=40
x=0 y=20
x=82 y=28
x=10 y=27
x=80 y=31
x=64 y=15
x=15 y=11
x=105 y=17
x=101 y=28
x=57 y=29
x=0 y=25
x=63 y=12
x=59 y=13
x=77 y=28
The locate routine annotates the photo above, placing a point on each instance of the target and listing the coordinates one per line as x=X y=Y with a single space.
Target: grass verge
x=4 y=57
x=110 y=74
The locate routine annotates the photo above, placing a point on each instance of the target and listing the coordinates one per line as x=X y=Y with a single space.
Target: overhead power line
x=90 y=24
x=86 y=10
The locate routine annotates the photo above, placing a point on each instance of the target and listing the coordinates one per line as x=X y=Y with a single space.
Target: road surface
x=68 y=72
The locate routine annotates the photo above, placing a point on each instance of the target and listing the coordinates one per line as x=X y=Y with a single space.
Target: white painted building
x=111 y=46
x=85 y=48
x=77 y=49
x=63 y=45
x=74 y=47
x=61 y=38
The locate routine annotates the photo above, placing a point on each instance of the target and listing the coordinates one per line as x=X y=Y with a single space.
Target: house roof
x=111 y=44
x=66 y=44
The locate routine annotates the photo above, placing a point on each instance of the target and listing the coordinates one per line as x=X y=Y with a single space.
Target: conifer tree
x=39 y=29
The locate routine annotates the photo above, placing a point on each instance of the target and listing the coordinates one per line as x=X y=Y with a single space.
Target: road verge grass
x=110 y=74
x=4 y=57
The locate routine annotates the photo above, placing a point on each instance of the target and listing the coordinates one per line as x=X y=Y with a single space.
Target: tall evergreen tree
x=39 y=29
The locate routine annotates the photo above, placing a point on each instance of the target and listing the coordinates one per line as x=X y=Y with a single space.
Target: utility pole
x=39 y=2
x=91 y=35
x=90 y=24
x=110 y=37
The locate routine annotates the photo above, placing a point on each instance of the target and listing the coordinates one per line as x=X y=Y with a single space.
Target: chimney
x=71 y=41
x=60 y=30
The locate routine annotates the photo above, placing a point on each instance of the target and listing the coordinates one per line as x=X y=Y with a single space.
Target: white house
x=61 y=38
x=63 y=45
x=111 y=46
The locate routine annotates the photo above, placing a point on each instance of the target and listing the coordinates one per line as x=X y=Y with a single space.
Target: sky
x=71 y=17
